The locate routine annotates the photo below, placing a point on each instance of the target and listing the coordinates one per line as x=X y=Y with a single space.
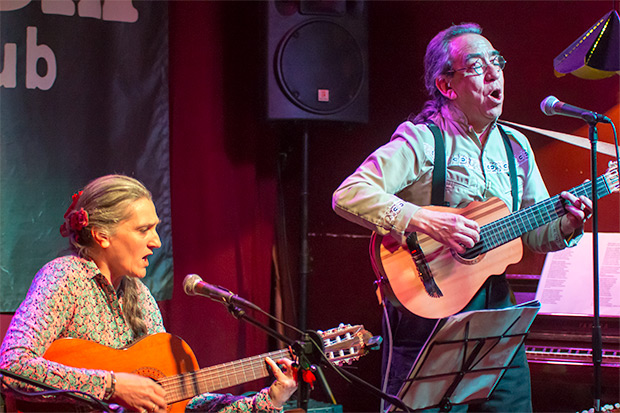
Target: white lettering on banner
x=111 y=10
x=8 y=76
x=34 y=52
x=119 y=11
x=9 y=5
x=62 y=7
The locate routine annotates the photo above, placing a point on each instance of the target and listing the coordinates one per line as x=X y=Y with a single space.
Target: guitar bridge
x=430 y=286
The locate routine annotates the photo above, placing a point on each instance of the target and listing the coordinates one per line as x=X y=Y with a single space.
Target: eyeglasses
x=479 y=66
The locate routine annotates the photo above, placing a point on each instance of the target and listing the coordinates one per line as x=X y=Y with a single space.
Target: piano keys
x=559 y=352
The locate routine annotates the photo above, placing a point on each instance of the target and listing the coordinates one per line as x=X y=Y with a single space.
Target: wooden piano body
x=559 y=351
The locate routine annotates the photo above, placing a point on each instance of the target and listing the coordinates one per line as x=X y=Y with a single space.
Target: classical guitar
x=433 y=281
x=170 y=361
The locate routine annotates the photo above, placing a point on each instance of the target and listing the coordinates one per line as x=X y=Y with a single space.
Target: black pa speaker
x=317 y=60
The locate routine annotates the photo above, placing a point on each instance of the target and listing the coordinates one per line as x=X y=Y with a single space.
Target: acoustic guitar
x=170 y=361
x=433 y=281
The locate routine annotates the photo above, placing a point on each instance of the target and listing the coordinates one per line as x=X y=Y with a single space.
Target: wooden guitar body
x=156 y=356
x=433 y=281
x=457 y=277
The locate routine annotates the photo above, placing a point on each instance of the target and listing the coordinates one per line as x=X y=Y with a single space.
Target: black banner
x=83 y=93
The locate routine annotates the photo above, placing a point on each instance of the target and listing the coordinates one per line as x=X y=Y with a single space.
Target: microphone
x=193 y=285
x=552 y=106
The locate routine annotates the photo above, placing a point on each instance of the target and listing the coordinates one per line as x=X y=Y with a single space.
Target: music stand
x=466 y=356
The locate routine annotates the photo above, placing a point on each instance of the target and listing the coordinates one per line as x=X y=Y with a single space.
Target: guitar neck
x=210 y=379
x=514 y=225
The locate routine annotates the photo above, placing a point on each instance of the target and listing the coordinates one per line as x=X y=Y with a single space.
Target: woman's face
x=127 y=250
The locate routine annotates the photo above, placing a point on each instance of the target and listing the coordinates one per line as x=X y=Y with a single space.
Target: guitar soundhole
x=470 y=257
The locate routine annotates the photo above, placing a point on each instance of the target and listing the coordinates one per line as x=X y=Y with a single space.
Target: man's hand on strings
x=579 y=210
x=453 y=230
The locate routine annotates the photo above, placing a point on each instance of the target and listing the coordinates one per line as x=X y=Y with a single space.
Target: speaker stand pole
x=304 y=264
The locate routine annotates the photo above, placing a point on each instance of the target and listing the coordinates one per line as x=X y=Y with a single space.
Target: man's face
x=479 y=97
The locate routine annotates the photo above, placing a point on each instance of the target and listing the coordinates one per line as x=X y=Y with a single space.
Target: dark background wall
x=226 y=156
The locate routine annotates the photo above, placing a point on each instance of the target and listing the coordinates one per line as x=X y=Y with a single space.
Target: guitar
x=170 y=361
x=433 y=281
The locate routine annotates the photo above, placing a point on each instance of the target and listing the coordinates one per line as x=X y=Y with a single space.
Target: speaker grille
x=320 y=67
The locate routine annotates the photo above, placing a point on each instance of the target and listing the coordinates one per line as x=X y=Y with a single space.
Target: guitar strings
x=504 y=230
x=186 y=385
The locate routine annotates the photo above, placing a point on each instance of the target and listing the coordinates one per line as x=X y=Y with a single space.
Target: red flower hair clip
x=74 y=200
x=77 y=220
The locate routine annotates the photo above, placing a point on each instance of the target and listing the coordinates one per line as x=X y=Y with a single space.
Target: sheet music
x=566 y=282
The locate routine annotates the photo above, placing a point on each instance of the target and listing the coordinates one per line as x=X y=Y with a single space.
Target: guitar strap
x=439 y=170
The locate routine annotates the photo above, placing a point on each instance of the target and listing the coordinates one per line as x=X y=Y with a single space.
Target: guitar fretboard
x=518 y=223
x=187 y=385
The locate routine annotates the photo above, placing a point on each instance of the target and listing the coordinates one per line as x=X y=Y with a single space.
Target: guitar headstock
x=611 y=176
x=347 y=343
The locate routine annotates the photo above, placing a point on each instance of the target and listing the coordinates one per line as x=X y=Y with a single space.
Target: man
x=465 y=81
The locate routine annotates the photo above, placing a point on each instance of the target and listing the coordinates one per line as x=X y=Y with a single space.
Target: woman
x=96 y=294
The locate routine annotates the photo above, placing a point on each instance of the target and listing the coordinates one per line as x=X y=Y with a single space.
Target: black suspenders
x=439 y=170
x=512 y=167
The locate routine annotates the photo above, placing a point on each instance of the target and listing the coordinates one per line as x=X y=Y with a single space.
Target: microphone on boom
x=552 y=106
x=193 y=285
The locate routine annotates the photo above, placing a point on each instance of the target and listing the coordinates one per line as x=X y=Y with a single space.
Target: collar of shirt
x=91 y=268
x=93 y=271
x=454 y=118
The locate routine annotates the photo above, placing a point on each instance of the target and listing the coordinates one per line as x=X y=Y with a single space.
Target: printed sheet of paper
x=566 y=282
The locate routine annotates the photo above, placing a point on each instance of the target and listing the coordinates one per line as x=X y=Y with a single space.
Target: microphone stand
x=309 y=351
x=597 y=352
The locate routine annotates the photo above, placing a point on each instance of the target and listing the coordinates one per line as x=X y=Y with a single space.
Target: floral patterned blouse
x=69 y=297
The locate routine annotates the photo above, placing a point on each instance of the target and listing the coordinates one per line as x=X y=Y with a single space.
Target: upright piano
x=559 y=351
